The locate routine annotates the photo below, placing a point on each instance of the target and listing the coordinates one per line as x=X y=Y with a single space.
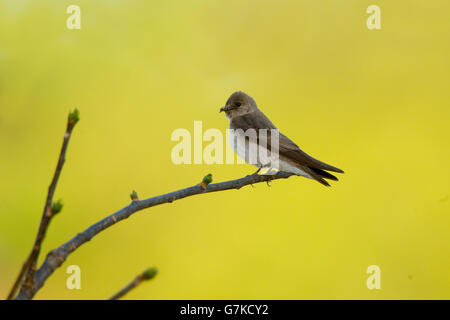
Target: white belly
x=246 y=151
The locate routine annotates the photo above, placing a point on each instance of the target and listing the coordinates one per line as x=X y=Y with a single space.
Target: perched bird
x=244 y=114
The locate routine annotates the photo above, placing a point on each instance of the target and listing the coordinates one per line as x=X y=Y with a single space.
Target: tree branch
x=56 y=257
x=50 y=209
x=148 y=274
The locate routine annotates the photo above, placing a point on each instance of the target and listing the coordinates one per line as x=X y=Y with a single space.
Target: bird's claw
x=269 y=179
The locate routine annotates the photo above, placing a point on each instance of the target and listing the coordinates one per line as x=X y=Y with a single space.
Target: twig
x=56 y=257
x=148 y=274
x=50 y=209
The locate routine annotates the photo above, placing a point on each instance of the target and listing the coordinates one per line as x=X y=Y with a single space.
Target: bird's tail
x=320 y=175
x=324 y=174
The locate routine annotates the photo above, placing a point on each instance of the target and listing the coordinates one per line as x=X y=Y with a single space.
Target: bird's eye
x=238 y=104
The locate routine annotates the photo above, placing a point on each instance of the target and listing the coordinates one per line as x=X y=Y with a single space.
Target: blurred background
x=374 y=103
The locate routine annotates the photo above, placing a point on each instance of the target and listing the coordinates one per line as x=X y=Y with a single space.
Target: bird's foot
x=269 y=179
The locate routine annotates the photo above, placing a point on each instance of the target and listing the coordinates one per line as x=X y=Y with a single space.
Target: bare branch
x=50 y=209
x=148 y=274
x=56 y=257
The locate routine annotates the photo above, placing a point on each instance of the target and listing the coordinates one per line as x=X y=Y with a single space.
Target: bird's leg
x=255 y=174
x=257 y=171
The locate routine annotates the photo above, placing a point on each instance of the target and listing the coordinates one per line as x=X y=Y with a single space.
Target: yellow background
x=374 y=103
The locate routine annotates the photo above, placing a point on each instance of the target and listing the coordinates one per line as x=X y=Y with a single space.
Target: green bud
x=134 y=195
x=74 y=117
x=56 y=207
x=150 y=273
x=207 y=179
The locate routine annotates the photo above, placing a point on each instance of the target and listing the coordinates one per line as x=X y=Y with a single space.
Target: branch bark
x=29 y=266
x=56 y=257
x=148 y=274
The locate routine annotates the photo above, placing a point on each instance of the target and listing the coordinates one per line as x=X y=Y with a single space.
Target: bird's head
x=239 y=104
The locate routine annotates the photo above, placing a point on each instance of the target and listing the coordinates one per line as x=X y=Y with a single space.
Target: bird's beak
x=227 y=108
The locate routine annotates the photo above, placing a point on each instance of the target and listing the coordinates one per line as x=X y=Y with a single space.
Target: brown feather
x=287 y=148
x=324 y=174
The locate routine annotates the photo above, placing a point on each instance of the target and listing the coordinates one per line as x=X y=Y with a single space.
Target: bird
x=243 y=113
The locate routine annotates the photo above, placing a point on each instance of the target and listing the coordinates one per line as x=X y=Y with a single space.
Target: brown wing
x=287 y=148
x=291 y=151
